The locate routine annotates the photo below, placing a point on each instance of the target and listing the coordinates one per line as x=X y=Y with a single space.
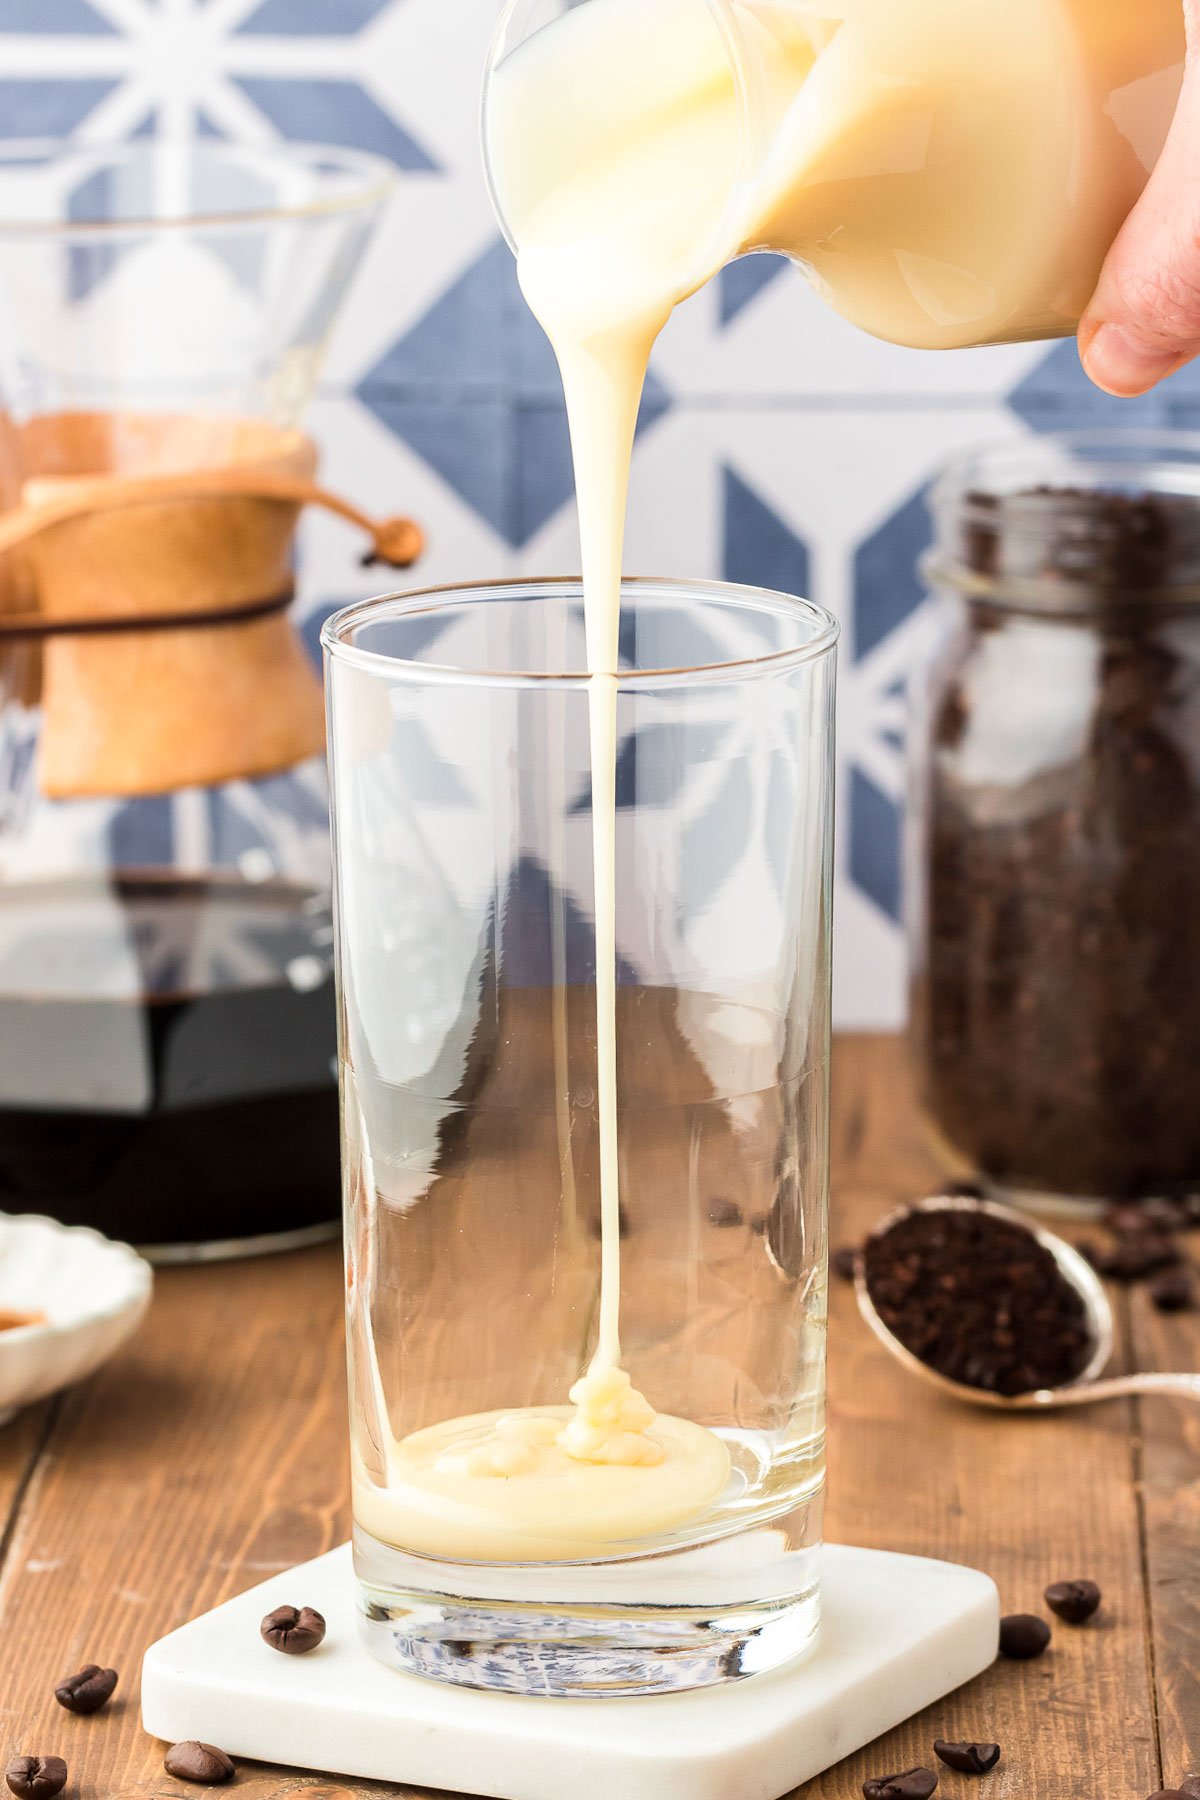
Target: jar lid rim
x=1154 y=462
x=1070 y=521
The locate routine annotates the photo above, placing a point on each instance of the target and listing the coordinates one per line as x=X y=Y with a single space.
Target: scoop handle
x=1117 y=1387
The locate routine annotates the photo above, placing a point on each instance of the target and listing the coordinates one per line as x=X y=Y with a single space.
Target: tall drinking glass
x=466 y=943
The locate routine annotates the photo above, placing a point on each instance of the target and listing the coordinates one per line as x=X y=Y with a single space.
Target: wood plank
x=209 y=1454
x=21 y=1445
x=1028 y=1500
x=1167 y=1461
x=214 y=1450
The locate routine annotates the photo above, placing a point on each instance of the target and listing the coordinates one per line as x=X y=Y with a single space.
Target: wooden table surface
x=212 y=1453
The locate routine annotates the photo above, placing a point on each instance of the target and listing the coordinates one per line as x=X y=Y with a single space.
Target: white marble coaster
x=898 y=1633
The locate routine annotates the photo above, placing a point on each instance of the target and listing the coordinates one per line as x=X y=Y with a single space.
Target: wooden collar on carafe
x=396 y=542
x=149 y=608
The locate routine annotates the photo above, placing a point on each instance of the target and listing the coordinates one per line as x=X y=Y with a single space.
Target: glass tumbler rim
x=336 y=633
x=369 y=180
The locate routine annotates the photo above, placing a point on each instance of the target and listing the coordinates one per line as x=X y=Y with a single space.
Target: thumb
x=1144 y=320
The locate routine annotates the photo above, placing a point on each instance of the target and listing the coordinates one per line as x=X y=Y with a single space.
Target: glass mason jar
x=468 y=980
x=167 y=1021
x=1055 y=837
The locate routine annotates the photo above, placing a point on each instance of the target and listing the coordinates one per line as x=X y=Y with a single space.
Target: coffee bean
x=36 y=1777
x=1023 y=1636
x=1190 y=1787
x=1131 y=1218
x=1173 y=1290
x=1074 y=1601
x=1173 y=1794
x=844 y=1262
x=203 y=1763
x=294 y=1632
x=1134 y=1258
x=88 y=1691
x=1167 y=1214
x=1125 y=1219
x=914 y=1784
x=760 y=1223
x=968 y=1759
x=726 y=1215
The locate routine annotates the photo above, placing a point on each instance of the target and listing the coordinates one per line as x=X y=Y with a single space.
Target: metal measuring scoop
x=1087 y=1387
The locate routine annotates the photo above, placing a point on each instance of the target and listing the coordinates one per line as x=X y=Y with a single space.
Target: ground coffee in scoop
x=978 y=1299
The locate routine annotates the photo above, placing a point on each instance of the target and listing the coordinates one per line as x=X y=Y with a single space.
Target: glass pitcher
x=946 y=175
x=167 y=1019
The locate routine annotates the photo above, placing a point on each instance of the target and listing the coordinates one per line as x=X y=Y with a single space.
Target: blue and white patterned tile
x=384 y=475
x=310 y=18
x=781 y=446
x=54 y=18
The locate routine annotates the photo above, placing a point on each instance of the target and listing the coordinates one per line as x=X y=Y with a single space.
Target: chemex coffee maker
x=167 y=1020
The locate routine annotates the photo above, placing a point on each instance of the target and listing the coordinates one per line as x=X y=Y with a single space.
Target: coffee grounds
x=1058 y=998
x=978 y=1299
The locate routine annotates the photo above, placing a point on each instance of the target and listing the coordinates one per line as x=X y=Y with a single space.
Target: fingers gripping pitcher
x=947 y=172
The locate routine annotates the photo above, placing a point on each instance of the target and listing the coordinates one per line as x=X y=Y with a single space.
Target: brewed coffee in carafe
x=167 y=1019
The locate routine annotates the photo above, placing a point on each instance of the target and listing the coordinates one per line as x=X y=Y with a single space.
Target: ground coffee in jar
x=1055 y=876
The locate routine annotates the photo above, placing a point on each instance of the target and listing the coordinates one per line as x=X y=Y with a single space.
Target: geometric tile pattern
x=743 y=280
x=777 y=446
x=472 y=387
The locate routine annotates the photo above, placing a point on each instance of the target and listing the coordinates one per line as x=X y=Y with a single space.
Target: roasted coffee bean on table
x=1173 y=1290
x=978 y=1299
x=914 y=1784
x=725 y=1214
x=87 y=1691
x=1023 y=1636
x=294 y=1631
x=202 y=1763
x=844 y=1262
x=968 y=1758
x=1130 y=1218
x=1134 y=1258
x=1074 y=1601
x=36 y=1777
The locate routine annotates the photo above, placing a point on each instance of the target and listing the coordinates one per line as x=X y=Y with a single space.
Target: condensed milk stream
x=950 y=172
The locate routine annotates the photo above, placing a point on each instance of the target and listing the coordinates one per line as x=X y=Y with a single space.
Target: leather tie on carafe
x=168 y=657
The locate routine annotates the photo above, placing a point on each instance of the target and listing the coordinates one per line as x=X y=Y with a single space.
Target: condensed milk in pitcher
x=948 y=172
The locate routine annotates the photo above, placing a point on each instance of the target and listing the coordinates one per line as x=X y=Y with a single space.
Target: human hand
x=1144 y=321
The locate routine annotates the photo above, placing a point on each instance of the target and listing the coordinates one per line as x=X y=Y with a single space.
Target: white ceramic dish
x=92 y=1292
